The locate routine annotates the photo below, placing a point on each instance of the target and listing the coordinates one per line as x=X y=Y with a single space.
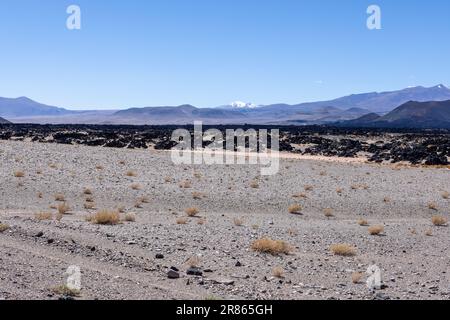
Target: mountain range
x=366 y=108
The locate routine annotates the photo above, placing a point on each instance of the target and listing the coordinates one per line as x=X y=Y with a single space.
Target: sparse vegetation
x=60 y=197
x=136 y=186
x=182 y=220
x=64 y=290
x=193 y=262
x=254 y=185
x=19 y=174
x=106 y=217
x=376 y=230
x=131 y=173
x=429 y=233
x=300 y=195
x=197 y=195
x=43 y=216
x=278 y=272
x=343 y=249
x=192 y=212
x=445 y=195
x=274 y=247
x=3 y=227
x=439 y=221
x=295 y=209
x=356 y=277
x=89 y=206
x=63 y=208
x=238 y=222
x=99 y=167
x=130 y=217
x=328 y=212
x=432 y=206
x=87 y=191
x=363 y=222
x=185 y=184
x=309 y=187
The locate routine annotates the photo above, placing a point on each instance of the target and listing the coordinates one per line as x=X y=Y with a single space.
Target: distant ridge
x=25 y=107
x=4 y=121
x=413 y=114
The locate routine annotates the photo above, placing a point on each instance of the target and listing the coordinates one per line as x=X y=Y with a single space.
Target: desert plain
x=195 y=231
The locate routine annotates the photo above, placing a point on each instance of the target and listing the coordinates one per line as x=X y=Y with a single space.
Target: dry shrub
x=274 y=247
x=292 y=232
x=89 y=206
x=343 y=249
x=278 y=272
x=193 y=262
x=432 y=206
x=58 y=217
x=60 y=197
x=295 y=209
x=309 y=187
x=182 y=220
x=130 y=217
x=99 y=167
x=121 y=209
x=323 y=173
x=197 y=195
x=122 y=162
x=131 y=173
x=356 y=277
x=63 y=208
x=439 y=221
x=168 y=179
x=136 y=186
x=144 y=199
x=238 y=222
x=339 y=190
x=138 y=204
x=53 y=166
x=87 y=191
x=386 y=200
x=445 y=195
x=19 y=174
x=363 y=222
x=254 y=184
x=43 y=216
x=376 y=230
x=201 y=222
x=64 y=290
x=197 y=175
x=185 y=184
x=429 y=233
x=3 y=227
x=300 y=195
x=40 y=195
x=90 y=199
x=39 y=171
x=191 y=212
x=106 y=217
x=328 y=212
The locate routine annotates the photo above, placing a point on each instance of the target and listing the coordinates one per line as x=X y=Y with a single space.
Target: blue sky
x=138 y=53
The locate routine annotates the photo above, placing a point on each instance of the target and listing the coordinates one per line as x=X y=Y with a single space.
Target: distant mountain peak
x=243 y=105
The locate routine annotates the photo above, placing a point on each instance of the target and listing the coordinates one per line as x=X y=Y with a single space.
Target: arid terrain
x=206 y=220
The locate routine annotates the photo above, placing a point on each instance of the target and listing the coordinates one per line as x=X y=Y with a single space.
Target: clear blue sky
x=138 y=53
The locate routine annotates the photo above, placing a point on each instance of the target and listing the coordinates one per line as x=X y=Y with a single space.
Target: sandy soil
x=119 y=261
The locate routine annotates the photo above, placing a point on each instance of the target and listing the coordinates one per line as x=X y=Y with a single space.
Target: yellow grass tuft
x=193 y=262
x=343 y=249
x=191 y=212
x=356 y=277
x=278 y=272
x=131 y=173
x=60 y=197
x=274 y=247
x=432 y=206
x=106 y=217
x=3 y=227
x=254 y=185
x=309 y=187
x=445 y=195
x=136 y=186
x=130 y=217
x=63 y=208
x=238 y=222
x=376 y=230
x=64 y=290
x=182 y=220
x=363 y=222
x=328 y=212
x=43 y=216
x=295 y=209
x=439 y=221
x=19 y=174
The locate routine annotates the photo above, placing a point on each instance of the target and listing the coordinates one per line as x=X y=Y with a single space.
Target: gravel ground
x=131 y=260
